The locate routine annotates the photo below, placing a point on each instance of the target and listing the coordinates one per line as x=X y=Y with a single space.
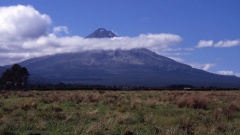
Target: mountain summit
x=102 y=33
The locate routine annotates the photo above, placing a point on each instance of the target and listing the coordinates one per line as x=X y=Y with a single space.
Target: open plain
x=119 y=112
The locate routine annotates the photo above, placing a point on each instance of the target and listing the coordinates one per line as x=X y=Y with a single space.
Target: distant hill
x=102 y=33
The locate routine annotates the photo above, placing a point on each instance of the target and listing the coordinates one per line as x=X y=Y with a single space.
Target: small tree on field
x=16 y=77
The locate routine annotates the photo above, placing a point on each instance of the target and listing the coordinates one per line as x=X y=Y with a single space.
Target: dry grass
x=53 y=107
x=195 y=101
x=119 y=112
x=135 y=103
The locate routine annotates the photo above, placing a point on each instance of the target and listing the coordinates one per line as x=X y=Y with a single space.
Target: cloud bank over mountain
x=24 y=34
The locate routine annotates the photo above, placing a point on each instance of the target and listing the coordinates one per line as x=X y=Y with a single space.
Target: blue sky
x=201 y=33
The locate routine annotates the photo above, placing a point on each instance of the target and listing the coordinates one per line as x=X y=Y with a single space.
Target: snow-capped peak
x=102 y=33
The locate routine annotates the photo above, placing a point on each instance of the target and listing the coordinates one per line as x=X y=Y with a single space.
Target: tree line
x=15 y=78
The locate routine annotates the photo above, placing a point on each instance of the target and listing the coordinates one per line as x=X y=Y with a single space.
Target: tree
x=25 y=75
x=16 y=77
x=1 y=83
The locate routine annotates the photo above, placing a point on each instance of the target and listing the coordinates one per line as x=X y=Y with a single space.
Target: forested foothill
x=17 y=78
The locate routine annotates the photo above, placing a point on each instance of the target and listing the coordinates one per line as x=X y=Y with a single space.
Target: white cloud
x=227 y=72
x=189 y=49
x=22 y=22
x=155 y=42
x=204 y=43
x=227 y=43
x=205 y=66
x=51 y=44
x=222 y=43
x=177 y=59
x=59 y=29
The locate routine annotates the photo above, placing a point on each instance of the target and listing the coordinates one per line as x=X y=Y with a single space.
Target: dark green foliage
x=15 y=78
x=1 y=83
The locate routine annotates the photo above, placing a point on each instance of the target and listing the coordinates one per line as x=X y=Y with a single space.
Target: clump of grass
x=7 y=109
x=112 y=106
x=7 y=125
x=233 y=106
x=135 y=103
x=95 y=129
x=6 y=96
x=27 y=94
x=93 y=115
x=31 y=117
x=172 y=96
x=129 y=132
x=153 y=103
x=199 y=101
x=230 y=109
x=150 y=118
x=220 y=128
x=183 y=102
x=77 y=98
x=121 y=107
x=187 y=124
x=59 y=115
x=113 y=95
x=46 y=99
x=125 y=118
x=218 y=114
x=42 y=125
x=29 y=105
x=53 y=107
x=195 y=101
x=92 y=98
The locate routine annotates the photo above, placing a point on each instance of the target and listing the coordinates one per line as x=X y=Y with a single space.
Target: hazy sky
x=202 y=33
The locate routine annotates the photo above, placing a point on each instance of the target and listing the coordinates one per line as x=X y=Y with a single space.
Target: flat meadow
x=119 y=112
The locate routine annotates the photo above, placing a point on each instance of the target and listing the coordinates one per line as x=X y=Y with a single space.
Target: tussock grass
x=119 y=112
x=195 y=101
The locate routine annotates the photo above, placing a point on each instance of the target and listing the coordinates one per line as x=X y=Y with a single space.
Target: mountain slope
x=102 y=33
x=3 y=69
x=136 y=67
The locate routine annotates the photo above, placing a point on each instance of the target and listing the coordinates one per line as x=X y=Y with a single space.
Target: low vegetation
x=119 y=112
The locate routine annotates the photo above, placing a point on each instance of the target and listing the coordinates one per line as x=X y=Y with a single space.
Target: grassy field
x=120 y=112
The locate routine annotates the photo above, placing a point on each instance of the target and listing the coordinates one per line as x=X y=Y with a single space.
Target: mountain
x=3 y=69
x=136 y=67
x=102 y=33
